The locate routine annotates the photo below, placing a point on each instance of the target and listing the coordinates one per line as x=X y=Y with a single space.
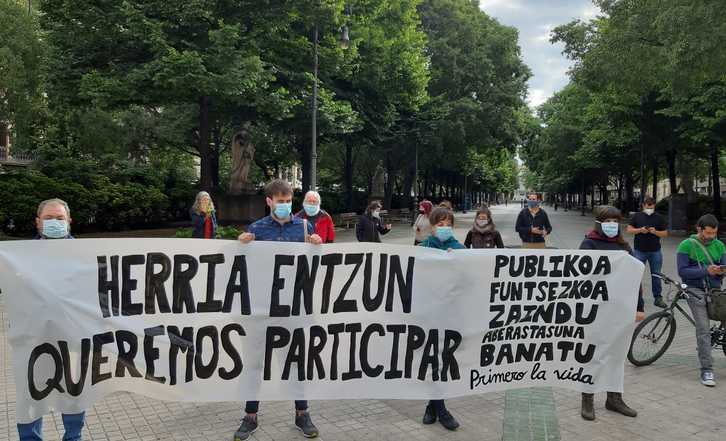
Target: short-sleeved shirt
x=648 y=242
x=268 y=229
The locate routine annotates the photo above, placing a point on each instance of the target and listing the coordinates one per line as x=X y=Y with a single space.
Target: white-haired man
x=53 y=221
x=321 y=220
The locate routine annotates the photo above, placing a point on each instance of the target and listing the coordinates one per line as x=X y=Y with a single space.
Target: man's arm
x=689 y=270
x=547 y=224
x=359 y=229
x=331 y=230
x=521 y=226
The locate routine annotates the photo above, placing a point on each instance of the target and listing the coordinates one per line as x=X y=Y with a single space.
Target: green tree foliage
x=649 y=76
x=22 y=53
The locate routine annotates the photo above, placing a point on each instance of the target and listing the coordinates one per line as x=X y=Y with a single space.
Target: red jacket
x=323 y=224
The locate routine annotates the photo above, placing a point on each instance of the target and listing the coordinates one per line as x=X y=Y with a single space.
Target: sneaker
x=246 y=428
x=707 y=379
x=429 y=416
x=660 y=303
x=306 y=426
x=447 y=420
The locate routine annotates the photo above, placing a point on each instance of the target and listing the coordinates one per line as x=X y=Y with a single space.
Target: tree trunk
x=215 y=156
x=348 y=175
x=408 y=182
x=206 y=164
x=630 y=202
x=716 y=179
x=671 y=162
x=654 y=194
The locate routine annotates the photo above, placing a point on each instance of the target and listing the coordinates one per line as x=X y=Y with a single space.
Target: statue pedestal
x=242 y=208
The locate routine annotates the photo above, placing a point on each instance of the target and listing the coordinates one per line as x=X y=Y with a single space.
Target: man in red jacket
x=321 y=220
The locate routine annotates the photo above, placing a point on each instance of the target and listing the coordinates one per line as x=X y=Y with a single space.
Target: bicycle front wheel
x=651 y=338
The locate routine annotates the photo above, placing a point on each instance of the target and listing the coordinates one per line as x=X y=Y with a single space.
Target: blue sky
x=535 y=19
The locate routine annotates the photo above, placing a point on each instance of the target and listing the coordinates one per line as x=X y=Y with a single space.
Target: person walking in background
x=204 y=217
x=279 y=226
x=649 y=227
x=370 y=226
x=607 y=236
x=53 y=221
x=321 y=220
x=533 y=224
x=442 y=238
x=422 y=226
x=701 y=259
x=483 y=233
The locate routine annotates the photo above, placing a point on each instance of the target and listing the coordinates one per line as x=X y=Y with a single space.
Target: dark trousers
x=437 y=405
x=254 y=406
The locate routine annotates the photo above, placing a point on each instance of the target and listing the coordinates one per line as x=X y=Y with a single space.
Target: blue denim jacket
x=268 y=229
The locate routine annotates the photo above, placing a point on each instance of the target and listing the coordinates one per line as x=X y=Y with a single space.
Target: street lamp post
x=344 y=43
x=314 y=145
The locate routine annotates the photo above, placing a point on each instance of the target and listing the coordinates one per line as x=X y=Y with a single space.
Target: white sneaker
x=707 y=379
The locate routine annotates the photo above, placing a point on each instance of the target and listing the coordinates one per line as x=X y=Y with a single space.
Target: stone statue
x=378 y=189
x=243 y=153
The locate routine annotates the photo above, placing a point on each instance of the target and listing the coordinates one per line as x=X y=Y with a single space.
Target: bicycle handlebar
x=681 y=286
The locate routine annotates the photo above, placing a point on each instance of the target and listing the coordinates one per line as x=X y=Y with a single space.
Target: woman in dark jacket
x=483 y=233
x=608 y=236
x=204 y=218
x=370 y=226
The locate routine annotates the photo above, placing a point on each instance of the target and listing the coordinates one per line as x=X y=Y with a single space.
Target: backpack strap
x=708 y=256
x=705 y=251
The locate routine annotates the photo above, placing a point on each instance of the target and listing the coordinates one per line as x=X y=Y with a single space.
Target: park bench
x=347 y=219
x=404 y=215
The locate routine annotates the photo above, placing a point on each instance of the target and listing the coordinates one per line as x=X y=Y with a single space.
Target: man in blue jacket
x=279 y=226
x=53 y=221
x=701 y=259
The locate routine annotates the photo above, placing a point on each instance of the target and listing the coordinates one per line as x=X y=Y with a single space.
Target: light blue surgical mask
x=311 y=209
x=610 y=229
x=533 y=204
x=55 y=229
x=282 y=210
x=444 y=233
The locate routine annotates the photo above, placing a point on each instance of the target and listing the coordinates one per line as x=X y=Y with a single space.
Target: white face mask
x=482 y=222
x=377 y=214
x=648 y=211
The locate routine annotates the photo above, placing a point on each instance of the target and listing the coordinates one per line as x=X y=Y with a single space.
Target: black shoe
x=447 y=420
x=660 y=303
x=616 y=404
x=430 y=415
x=306 y=426
x=246 y=428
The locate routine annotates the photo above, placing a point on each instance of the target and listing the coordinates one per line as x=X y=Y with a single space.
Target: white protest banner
x=207 y=320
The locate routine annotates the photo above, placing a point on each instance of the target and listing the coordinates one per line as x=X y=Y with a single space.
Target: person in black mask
x=533 y=224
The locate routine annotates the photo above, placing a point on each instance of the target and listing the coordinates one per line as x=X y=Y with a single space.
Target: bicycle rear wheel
x=651 y=338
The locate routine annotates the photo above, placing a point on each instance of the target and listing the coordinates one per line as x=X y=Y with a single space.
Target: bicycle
x=654 y=335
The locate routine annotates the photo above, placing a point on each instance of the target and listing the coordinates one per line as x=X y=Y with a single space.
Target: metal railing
x=15 y=158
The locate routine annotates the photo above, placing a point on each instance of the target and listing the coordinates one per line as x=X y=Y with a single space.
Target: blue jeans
x=73 y=424
x=655 y=259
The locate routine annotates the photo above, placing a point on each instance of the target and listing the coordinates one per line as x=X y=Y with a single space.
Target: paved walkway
x=672 y=404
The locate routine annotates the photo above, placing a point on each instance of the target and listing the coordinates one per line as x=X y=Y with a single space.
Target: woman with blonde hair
x=204 y=217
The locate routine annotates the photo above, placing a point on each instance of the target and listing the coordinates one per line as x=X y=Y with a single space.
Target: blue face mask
x=533 y=204
x=55 y=229
x=444 y=233
x=610 y=229
x=311 y=209
x=282 y=211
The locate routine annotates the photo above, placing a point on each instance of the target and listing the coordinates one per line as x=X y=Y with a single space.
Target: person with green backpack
x=701 y=261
